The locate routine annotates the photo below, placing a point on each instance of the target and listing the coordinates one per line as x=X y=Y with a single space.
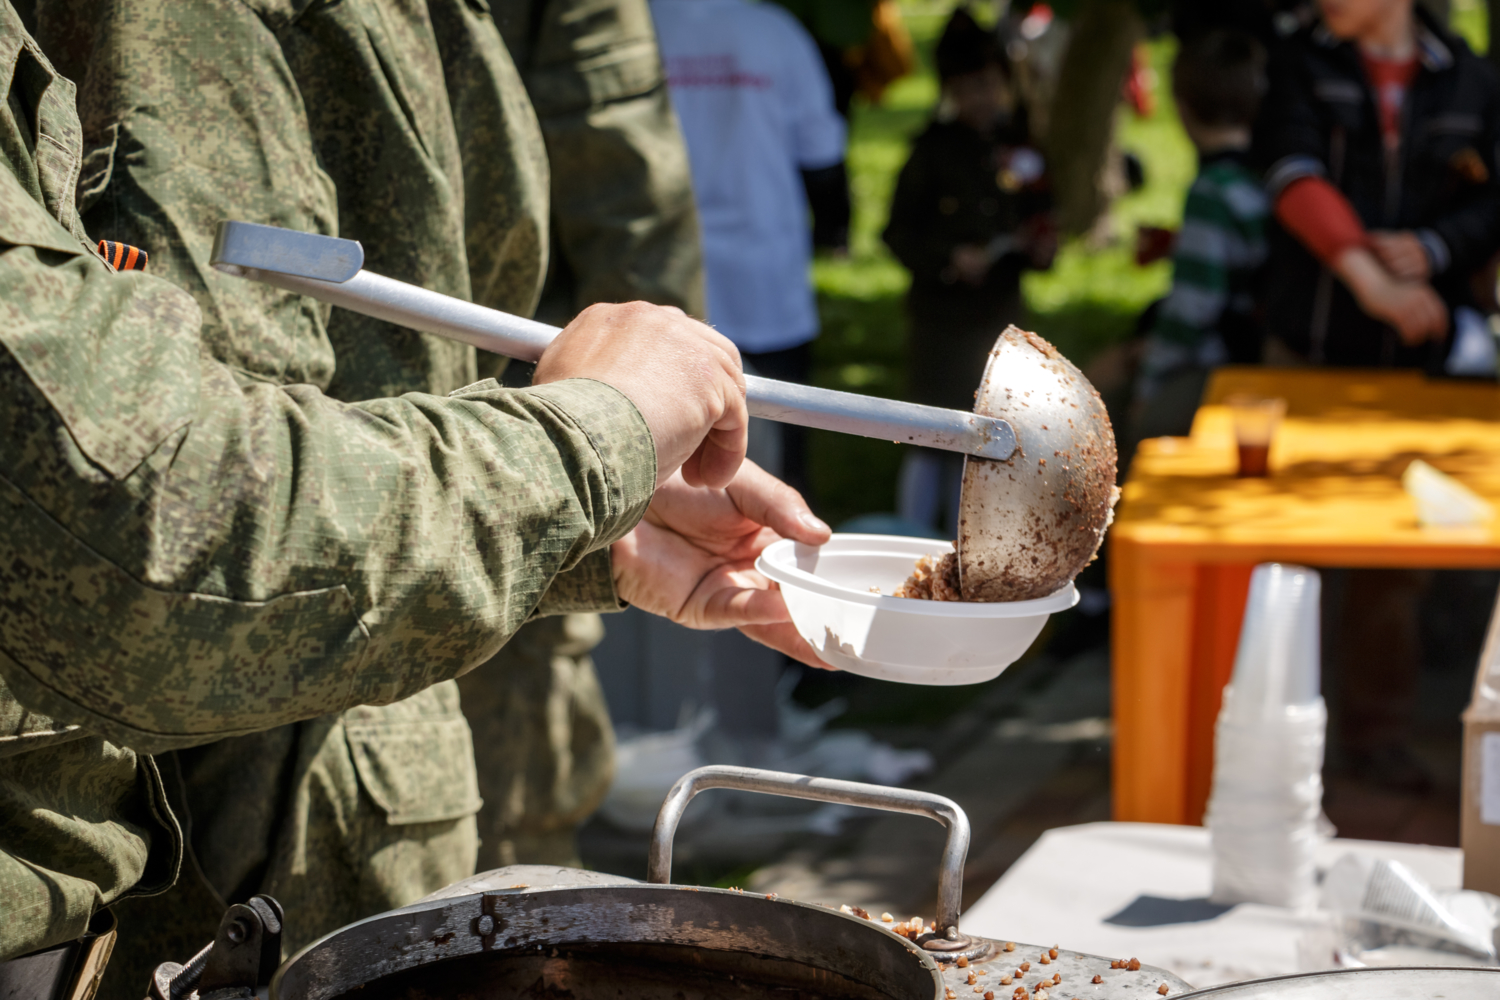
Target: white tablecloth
x=1063 y=889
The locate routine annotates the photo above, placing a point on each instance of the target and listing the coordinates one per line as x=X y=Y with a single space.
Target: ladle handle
x=849 y=793
x=329 y=269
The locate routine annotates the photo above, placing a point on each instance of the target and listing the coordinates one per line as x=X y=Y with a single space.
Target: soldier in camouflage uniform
x=400 y=124
x=192 y=552
x=343 y=818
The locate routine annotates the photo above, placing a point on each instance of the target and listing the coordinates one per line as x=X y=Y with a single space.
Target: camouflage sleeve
x=187 y=557
x=624 y=222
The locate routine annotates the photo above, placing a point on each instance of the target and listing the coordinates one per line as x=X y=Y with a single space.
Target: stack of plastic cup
x=1263 y=813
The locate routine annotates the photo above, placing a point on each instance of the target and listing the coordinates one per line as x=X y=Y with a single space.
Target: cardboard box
x=1480 y=831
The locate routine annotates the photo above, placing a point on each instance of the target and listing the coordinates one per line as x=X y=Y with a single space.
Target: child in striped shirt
x=1210 y=317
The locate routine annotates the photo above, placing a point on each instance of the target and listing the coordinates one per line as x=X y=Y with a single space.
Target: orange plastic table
x=1188 y=533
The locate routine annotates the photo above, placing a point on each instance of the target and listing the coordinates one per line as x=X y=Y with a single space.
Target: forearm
x=279 y=555
x=1321 y=218
x=1412 y=308
x=1360 y=272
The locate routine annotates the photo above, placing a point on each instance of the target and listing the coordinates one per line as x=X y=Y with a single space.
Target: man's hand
x=1412 y=307
x=692 y=559
x=684 y=377
x=1402 y=254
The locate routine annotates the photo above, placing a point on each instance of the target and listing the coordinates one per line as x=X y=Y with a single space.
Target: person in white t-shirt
x=765 y=144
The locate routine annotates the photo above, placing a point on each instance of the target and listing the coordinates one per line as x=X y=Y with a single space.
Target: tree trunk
x=1083 y=109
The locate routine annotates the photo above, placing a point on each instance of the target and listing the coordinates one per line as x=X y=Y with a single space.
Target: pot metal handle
x=851 y=793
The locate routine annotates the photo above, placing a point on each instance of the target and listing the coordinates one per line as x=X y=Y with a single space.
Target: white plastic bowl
x=827 y=591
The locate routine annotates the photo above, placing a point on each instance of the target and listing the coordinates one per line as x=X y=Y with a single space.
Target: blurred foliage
x=1087 y=302
x=1471 y=20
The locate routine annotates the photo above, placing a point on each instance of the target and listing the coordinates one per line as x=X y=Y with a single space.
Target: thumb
x=766 y=500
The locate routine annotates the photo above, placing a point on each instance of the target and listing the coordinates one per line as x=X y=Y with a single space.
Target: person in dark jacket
x=972 y=210
x=1379 y=139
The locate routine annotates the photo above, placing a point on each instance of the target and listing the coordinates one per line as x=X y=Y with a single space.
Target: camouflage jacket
x=624 y=225
x=399 y=123
x=189 y=553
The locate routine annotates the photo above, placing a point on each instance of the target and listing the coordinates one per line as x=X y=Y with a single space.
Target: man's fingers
x=738 y=595
x=723 y=450
x=718 y=455
x=1440 y=321
x=764 y=499
x=684 y=377
x=1434 y=321
x=1402 y=254
x=784 y=638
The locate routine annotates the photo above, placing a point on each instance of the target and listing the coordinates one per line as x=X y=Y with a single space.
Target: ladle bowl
x=1030 y=523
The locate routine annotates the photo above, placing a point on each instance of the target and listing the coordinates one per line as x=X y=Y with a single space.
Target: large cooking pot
x=562 y=934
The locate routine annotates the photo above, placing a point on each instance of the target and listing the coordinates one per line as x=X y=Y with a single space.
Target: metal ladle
x=1026 y=529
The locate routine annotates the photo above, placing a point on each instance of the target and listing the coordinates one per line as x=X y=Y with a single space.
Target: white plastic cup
x=1267 y=794
x=1277 y=663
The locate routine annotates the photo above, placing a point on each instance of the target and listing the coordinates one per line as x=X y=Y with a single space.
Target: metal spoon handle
x=329 y=269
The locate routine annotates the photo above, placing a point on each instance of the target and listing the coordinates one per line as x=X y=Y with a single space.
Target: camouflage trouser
x=339 y=818
x=542 y=739
x=347 y=815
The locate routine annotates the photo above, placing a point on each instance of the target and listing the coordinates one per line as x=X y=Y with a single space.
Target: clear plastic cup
x=1268 y=747
x=1277 y=663
x=1255 y=421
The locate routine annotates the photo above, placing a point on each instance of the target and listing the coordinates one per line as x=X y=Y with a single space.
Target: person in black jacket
x=1379 y=137
x=1379 y=140
x=972 y=210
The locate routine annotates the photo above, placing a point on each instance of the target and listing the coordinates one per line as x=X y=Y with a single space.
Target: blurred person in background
x=1211 y=315
x=1379 y=137
x=766 y=145
x=972 y=211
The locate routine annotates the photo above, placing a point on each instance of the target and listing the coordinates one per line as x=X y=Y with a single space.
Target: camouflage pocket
x=86 y=642
x=416 y=758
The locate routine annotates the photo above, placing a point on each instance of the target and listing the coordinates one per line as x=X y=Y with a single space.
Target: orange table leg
x=1153 y=604
x=1218 y=614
